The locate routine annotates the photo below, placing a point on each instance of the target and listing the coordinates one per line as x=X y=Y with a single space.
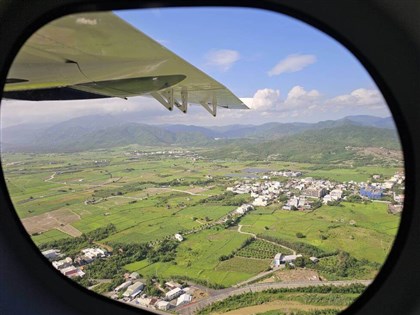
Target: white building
x=277 y=259
x=174 y=293
x=163 y=305
x=336 y=194
x=172 y=285
x=184 y=299
x=290 y=258
x=244 y=209
x=134 y=276
x=134 y=289
x=314 y=259
x=94 y=253
x=64 y=263
x=280 y=259
x=72 y=272
x=52 y=254
x=144 y=301
x=389 y=184
x=260 y=201
x=327 y=198
x=294 y=202
x=179 y=237
x=123 y=286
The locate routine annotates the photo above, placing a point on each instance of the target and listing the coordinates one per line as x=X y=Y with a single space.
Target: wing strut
x=211 y=107
x=166 y=98
x=184 y=101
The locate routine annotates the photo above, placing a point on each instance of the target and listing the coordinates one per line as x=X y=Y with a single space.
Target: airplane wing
x=98 y=55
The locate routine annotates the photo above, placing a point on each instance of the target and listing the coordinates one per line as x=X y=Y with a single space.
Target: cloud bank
x=266 y=105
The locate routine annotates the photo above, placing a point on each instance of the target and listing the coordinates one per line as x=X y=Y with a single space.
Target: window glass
x=273 y=184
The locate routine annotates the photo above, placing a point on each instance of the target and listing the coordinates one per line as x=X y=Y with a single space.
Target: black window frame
x=383 y=35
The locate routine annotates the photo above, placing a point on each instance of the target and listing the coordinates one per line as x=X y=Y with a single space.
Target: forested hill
x=300 y=141
x=315 y=146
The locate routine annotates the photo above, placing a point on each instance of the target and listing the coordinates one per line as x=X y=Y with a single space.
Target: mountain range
x=94 y=132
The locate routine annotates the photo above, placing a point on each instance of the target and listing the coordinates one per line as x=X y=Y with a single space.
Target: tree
x=300 y=235
x=299 y=262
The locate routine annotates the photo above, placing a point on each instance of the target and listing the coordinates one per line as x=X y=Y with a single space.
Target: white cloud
x=292 y=63
x=266 y=105
x=298 y=97
x=265 y=99
x=360 y=97
x=222 y=59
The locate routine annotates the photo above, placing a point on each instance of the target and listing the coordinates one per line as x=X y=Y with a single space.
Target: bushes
x=164 y=252
x=344 y=265
x=261 y=250
x=299 y=247
x=300 y=235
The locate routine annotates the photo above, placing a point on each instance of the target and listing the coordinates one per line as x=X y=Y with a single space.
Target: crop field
x=198 y=258
x=261 y=250
x=49 y=236
x=149 y=199
x=358 y=174
x=365 y=231
x=251 y=266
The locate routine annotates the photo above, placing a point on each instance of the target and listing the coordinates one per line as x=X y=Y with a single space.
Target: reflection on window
x=288 y=200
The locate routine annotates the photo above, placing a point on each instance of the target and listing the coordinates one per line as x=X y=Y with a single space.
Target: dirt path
x=280 y=305
x=261 y=239
x=181 y=191
x=240 y=231
x=51 y=177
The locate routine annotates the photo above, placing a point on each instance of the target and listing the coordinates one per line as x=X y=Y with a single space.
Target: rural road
x=192 y=308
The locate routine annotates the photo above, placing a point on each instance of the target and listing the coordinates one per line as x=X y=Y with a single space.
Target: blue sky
x=283 y=69
x=262 y=39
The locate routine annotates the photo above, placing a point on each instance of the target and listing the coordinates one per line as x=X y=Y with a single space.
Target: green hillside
x=326 y=145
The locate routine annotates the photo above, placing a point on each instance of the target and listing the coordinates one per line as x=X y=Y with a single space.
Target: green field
x=198 y=258
x=49 y=236
x=370 y=237
x=151 y=199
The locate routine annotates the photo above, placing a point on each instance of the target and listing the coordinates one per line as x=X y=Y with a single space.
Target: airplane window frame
x=24 y=19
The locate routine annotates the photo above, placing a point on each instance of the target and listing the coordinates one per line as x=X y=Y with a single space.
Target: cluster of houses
x=377 y=189
x=175 y=296
x=302 y=193
x=74 y=268
x=171 y=153
x=262 y=192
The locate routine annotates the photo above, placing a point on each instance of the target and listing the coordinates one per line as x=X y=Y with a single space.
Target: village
x=176 y=153
x=307 y=193
x=130 y=291
x=294 y=193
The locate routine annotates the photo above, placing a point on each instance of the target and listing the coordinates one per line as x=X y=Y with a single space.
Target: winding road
x=220 y=295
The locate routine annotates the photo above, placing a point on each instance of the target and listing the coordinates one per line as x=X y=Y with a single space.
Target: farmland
x=149 y=197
